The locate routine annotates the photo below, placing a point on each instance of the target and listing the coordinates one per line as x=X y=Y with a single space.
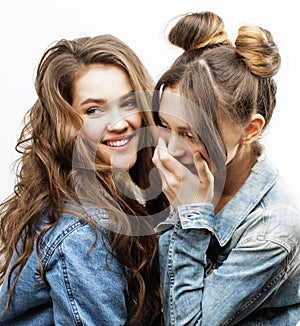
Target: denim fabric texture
x=81 y=286
x=240 y=267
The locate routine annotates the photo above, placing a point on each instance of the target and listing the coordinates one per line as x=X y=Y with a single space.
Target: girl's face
x=106 y=102
x=179 y=139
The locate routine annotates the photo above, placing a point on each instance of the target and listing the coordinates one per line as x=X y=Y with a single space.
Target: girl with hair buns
x=230 y=255
x=77 y=240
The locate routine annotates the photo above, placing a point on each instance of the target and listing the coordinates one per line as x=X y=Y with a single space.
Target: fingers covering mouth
x=192 y=168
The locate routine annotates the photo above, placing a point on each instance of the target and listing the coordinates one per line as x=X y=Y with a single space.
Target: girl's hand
x=180 y=185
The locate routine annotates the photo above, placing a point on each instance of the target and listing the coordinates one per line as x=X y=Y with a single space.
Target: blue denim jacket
x=81 y=287
x=240 y=267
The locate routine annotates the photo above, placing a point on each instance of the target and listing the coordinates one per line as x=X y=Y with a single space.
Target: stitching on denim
x=254 y=299
x=171 y=274
x=68 y=289
x=279 y=241
x=49 y=250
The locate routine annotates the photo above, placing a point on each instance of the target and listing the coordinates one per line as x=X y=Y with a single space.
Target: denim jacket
x=81 y=286
x=240 y=267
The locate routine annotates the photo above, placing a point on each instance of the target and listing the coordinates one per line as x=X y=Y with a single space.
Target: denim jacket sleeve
x=87 y=286
x=229 y=293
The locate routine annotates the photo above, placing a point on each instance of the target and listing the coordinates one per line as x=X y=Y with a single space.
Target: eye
x=129 y=104
x=94 y=111
x=188 y=135
x=163 y=125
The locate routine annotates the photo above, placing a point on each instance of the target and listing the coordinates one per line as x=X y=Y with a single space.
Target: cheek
x=198 y=148
x=135 y=120
x=93 y=129
x=164 y=134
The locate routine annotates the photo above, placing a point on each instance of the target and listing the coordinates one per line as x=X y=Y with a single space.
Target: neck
x=237 y=171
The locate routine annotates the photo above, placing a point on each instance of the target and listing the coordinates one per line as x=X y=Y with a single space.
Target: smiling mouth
x=118 y=143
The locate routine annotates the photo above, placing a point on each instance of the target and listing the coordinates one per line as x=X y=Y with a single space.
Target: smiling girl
x=77 y=240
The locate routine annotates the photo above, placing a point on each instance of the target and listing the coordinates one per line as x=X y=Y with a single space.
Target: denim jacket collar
x=259 y=182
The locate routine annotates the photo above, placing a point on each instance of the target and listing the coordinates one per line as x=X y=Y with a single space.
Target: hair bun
x=197 y=30
x=260 y=53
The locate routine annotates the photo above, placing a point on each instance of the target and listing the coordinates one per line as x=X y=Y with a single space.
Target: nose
x=117 y=122
x=176 y=146
x=119 y=125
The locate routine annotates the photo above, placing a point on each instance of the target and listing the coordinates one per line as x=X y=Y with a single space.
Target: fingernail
x=161 y=142
x=197 y=155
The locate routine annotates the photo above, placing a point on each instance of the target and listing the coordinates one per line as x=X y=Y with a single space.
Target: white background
x=28 y=27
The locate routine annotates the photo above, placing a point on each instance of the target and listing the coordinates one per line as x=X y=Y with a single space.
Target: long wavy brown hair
x=58 y=166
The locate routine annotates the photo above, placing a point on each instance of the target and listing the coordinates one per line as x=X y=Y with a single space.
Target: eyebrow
x=102 y=101
x=94 y=100
x=129 y=94
x=179 y=128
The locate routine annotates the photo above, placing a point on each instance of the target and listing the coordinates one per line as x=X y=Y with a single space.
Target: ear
x=253 y=129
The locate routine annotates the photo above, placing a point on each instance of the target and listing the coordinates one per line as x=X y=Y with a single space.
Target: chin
x=122 y=163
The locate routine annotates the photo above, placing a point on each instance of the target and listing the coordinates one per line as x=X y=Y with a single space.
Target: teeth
x=118 y=143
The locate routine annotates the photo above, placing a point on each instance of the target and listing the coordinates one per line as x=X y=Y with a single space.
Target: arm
x=251 y=272
x=86 y=288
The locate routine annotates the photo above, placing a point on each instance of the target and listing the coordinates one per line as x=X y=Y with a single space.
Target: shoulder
x=73 y=232
x=275 y=198
x=280 y=202
x=276 y=217
x=282 y=206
